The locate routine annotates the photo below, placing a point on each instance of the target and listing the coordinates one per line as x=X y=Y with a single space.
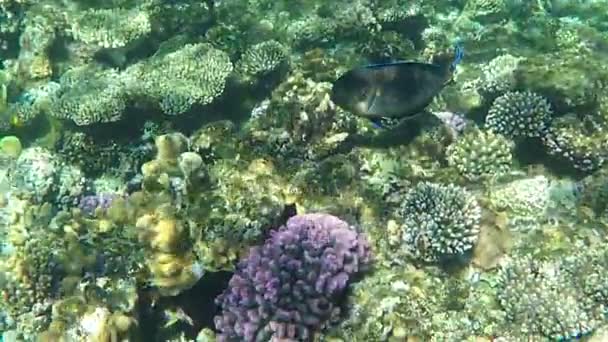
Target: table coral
x=177 y=80
x=89 y=95
x=110 y=27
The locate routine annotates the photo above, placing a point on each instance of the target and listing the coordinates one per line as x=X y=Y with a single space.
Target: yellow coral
x=172 y=265
x=169 y=146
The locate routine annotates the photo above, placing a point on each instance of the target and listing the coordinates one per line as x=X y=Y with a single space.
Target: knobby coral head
x=289 y=288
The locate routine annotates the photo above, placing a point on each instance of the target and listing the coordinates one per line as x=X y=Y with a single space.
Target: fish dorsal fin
x=399 y=63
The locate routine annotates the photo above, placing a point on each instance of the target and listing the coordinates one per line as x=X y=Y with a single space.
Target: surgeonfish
x=393 y=90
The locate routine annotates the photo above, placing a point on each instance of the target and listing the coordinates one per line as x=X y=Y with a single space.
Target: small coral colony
x=303 y=170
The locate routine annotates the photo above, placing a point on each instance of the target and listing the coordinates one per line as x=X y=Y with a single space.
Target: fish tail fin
x=458 y=55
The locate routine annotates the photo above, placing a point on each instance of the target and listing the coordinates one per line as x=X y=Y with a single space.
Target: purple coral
x=89 y=204
x=288 y=289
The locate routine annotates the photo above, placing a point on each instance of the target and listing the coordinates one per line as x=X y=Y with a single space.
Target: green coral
x=439 y=221
x=89 y=95
x=195 y=74
x=519 y=114
x=478 y=154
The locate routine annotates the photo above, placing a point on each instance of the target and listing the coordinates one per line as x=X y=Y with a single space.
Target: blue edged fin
x=382 y=122
x=382 y=65
x=458 y=55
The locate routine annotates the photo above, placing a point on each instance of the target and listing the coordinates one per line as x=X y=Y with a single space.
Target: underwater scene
x=315 y=171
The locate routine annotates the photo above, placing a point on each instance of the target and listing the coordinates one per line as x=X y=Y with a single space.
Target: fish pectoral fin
x=385 y=122
x=373 y=95
x=376 y=122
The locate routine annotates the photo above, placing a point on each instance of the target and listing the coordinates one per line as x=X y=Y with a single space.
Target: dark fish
x=396 y=90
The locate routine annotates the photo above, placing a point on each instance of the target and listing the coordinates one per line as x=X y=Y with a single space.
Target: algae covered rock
x=243 y=201
x=569 y=80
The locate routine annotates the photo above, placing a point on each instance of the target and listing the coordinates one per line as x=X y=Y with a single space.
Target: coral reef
x=146 y=147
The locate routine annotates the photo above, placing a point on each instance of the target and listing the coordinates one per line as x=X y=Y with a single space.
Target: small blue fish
x=393 y=90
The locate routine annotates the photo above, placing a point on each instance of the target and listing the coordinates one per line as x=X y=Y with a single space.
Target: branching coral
x=262 y=59
x=584 y=149
x=439 y=221
x=478 y=154
x=519 y=115
x=289 y=287
x=541 y=301
x=498 y=75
